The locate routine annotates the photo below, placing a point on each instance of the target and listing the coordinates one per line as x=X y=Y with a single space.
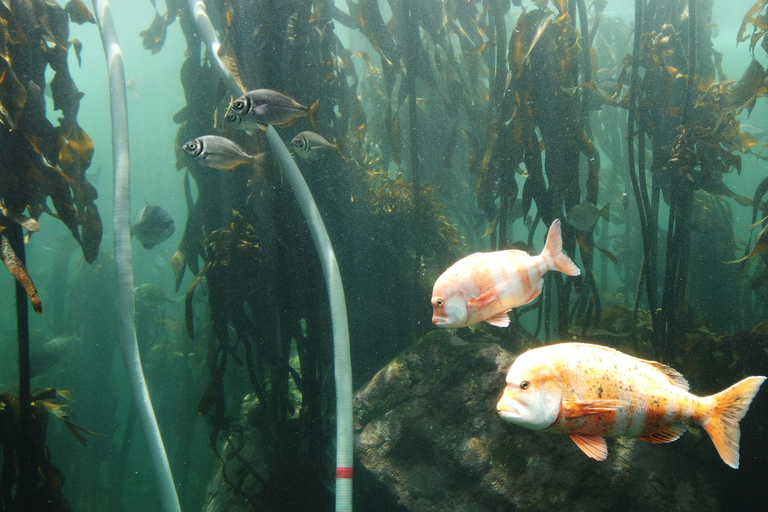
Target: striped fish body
x=485 y=286
x=590 y=392
x=262 y=107
x=312 y=147
x=220 y=153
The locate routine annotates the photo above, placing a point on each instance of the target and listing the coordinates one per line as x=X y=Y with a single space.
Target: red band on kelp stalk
x=343 y=472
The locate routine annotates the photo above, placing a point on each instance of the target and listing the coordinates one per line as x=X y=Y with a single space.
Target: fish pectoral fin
x=500 y=319
x=667 y=434
x=264 y=127
x=577 y=409
x=593 y=446
x=483 y=300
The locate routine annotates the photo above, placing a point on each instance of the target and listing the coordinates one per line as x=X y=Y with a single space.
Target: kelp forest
x=458 y=126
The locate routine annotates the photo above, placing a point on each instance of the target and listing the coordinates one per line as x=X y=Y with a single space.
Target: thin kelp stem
x=678 y=240
x=639 y=189
x=692 y=63
x=342 y=361
x=26 y=452
x=169 y=501
x=409 y=35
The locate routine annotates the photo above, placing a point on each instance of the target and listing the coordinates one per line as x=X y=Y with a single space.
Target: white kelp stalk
x=341 y=359
x=169 y=501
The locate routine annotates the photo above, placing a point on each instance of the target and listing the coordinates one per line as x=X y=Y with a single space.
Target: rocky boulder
x=429 y=439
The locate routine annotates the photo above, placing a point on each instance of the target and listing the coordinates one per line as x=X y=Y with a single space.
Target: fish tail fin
x=553 y=248
x=313 y=113
x=341 y=150
x=727 y=409
x=605 y=212
x=257 y=162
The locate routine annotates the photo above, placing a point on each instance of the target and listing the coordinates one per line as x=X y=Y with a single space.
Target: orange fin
x=593 y=446
x=727 y=409
x=569 y=409
x=673 y=375
x=499 y=319
x=312 y=112
x=484 y=299
x=669 y=433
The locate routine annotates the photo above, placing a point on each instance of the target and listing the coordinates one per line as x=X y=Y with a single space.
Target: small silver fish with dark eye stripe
x=262 y=107
x=221 y=153
x=312 y=147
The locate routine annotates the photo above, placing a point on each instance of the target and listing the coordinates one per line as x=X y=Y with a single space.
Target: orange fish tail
x=727 y=409
x=553 y=248
x=313 y=113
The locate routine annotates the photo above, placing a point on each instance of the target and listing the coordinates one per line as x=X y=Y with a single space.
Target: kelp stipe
x=121 y=161
x=342 y=363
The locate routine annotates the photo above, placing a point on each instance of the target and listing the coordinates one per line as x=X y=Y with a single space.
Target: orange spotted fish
x=590 y=391
x=486 y=285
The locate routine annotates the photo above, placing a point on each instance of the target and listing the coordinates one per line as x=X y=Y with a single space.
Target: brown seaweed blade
x=750 y=18
x=188 y=305
x=92 y=230
x=760 y=246
x=78 y=12
x=761 y=190
x=19 y=271
x=229 y=58
x=13 y=95
x=75 y=429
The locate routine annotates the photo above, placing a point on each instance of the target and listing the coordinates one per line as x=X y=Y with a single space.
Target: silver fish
x=262 y=107
x=220 y=153
x=311 y=146
x=152 y=226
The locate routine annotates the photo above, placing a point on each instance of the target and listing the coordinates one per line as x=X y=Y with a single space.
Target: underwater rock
x=246 y=453
x=429 y=439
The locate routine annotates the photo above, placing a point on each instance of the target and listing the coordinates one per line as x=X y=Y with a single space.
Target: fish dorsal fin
x=593 y=446
x=673 y=375
x=667 y=434
x=287 y=95
x=499 y=319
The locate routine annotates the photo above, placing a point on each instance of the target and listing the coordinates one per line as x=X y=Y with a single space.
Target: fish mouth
x=507 y=407
x=509 y=416
x=439 y=320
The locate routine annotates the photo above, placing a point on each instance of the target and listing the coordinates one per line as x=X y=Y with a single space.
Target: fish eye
x=439 y=303
x=238 y=104
x=231 y=118
x=524 y=384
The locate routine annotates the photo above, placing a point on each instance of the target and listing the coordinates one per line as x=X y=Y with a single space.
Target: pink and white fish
x=487 y=285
